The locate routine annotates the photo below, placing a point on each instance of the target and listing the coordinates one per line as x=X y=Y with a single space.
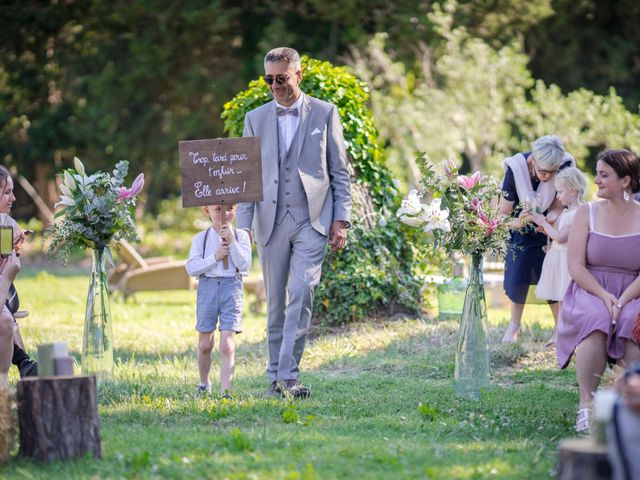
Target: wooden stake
x=225 y=260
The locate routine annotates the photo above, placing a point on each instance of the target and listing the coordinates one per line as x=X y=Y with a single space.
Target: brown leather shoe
x=274 y=390
x=296 y=389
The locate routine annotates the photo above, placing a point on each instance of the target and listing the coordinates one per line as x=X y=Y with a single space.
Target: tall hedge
x=374 y=274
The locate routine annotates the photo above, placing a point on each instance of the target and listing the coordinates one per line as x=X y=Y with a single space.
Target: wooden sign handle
x=225 y=260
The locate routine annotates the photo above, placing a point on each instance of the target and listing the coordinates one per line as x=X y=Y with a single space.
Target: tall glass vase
x=472 y=352
x=97 y=346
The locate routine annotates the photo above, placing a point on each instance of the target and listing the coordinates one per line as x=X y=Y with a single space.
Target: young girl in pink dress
x=554 y=279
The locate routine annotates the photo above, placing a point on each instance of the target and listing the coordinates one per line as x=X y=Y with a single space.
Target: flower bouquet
x=97 y=211
x=463 y=216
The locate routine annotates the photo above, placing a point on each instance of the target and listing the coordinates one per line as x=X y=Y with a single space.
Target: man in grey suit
x=306 y=202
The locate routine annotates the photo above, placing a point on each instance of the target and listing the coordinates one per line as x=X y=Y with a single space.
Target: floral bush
x=98 y=209
x=463 y=213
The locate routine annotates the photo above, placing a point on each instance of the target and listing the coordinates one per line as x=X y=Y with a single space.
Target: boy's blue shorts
x=219 y=298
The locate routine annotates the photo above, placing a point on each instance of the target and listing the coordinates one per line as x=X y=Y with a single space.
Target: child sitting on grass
x=220 y=293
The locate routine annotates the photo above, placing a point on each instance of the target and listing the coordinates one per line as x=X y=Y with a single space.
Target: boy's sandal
x=583 y=420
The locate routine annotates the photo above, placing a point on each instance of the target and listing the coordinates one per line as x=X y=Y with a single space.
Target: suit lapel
x=304 y=123
x=272 y=131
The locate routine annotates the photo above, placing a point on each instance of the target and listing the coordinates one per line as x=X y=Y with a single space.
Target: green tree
x=477 y=104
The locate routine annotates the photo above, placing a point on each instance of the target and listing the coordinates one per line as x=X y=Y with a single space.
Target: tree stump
x=58 y=418
x=583 y=459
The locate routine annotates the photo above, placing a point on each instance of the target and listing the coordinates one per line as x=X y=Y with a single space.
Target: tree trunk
x=58 y=418
x=582 y=459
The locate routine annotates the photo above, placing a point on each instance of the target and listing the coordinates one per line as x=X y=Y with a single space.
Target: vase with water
x=472 y=350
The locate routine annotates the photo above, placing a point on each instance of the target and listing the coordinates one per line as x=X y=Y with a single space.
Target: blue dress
x=524 y=258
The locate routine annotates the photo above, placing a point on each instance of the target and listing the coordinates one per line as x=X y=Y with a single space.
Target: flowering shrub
x=98 y=209
x=463 y=213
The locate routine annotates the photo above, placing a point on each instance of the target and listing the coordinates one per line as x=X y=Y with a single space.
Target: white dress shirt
x=288 y=124
x=202 y=258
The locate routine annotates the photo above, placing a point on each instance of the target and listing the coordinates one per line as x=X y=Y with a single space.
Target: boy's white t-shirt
x=202 y=258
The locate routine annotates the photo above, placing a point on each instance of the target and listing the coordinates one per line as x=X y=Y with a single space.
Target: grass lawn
x=382 y=403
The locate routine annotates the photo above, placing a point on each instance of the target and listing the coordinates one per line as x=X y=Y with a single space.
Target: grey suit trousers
x=291 y=266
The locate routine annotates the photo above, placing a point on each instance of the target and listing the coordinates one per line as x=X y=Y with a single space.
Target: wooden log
x=58 y=418
x=583 y=459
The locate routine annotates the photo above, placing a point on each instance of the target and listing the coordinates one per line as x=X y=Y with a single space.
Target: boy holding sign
x=220 y=256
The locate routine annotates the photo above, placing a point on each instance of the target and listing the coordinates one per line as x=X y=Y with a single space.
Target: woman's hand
x=517 y=223
x=10 y=266
x=611 y=302
x=536 y=218
x=18 y=239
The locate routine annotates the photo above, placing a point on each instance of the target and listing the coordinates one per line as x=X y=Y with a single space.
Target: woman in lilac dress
x=602 y=302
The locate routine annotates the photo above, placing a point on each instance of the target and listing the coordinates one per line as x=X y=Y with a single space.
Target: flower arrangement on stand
x=463 y=217
x=97 y=212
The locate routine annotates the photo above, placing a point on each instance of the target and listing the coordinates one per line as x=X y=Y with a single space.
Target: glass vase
x=451 y=295
x=97 y=345
x=472 y=352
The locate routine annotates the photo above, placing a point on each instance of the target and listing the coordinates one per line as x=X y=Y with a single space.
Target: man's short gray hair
x=548 y=152
x=283 y=54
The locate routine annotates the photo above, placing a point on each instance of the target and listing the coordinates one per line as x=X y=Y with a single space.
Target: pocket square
x=315 y=132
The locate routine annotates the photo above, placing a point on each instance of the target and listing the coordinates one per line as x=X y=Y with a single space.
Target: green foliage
x=476 y=103
x=373 y=276
x=376 y=272
x=427 y=412
x=238 y=441
x=290 y=414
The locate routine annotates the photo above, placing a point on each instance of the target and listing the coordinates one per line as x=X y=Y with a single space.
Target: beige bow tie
x=286 y=111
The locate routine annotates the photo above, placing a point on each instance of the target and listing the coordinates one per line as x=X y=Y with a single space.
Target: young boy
x=219 y=291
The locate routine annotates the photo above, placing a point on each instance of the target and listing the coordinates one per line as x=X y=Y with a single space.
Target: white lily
x=66 y=190
x=69 y=181
x=437 y=218
x=79 y=166
x=64 y=200
x=412 y=212
x=410 y=205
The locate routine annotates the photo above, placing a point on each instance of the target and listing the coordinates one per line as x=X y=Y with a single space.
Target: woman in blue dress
x=528 y=185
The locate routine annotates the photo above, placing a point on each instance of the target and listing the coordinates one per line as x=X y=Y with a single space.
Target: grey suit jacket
x=322 y=165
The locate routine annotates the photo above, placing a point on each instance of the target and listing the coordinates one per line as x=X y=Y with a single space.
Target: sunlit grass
x=382 y=403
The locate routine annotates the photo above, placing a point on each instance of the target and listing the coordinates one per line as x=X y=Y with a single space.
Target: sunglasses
x=279 y=79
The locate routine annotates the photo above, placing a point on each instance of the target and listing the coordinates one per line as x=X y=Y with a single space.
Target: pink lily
x=450 y=168
x=475 y=205
x=490 y=225
x=135 y=189
x=469 y=182
x=136 y=186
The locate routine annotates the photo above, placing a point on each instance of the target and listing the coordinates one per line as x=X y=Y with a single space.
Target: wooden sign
x=220 y=171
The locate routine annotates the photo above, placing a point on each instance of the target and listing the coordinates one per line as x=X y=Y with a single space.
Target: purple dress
x=614 y=261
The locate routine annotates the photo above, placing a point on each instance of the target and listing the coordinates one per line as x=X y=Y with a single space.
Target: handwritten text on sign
x=220 y=171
